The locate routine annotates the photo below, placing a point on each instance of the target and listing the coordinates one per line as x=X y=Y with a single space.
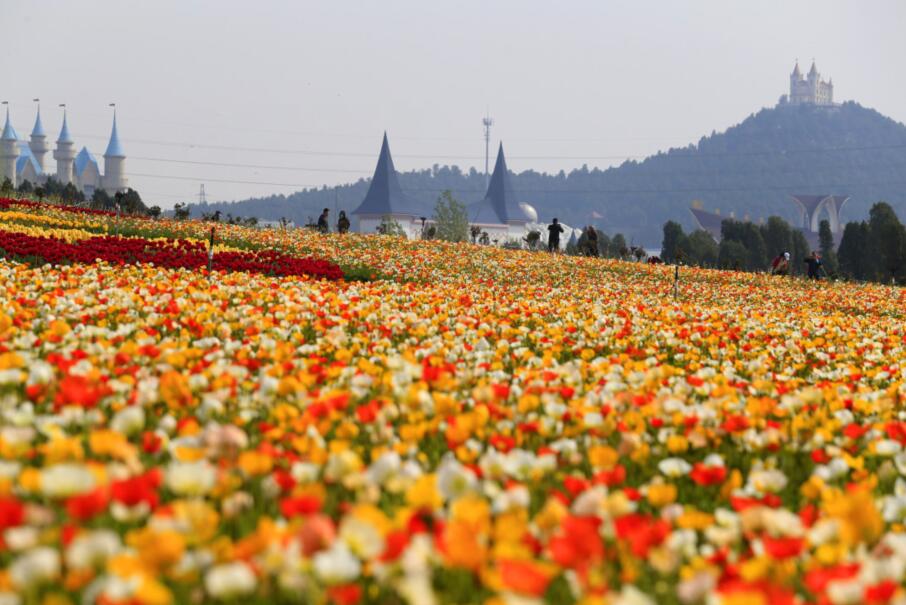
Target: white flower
x=362 y=537
x=593 y=419
x=337 y=564
x=191 y=478
x=845 y=592
x=453 y=479
x=823 y=532
x=92 y=549
x=630 y=595
x=10 y=598
x=888 y=447
x=21 y=538
x=766 y=480
x=229 y=581
x=65 y=480
x=674 y=467
x=386 y=466
x=304 y=472
x=35 y=567
x=129 y=420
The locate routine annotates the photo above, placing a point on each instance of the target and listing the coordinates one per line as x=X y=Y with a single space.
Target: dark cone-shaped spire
x=499 y=204
x=385 y=196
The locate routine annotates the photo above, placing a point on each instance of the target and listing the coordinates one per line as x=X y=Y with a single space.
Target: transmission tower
x=487 y=122
x=202 y=198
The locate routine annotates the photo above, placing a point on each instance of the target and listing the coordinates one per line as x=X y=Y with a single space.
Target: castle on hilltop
x=22 y=161
x=809 y=90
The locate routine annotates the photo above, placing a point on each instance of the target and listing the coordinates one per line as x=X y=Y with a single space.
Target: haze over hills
x=751 y=169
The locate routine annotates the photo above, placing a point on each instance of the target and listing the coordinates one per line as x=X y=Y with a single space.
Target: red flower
x=136 y=490
x=12 y=513
x=706 y=475
x=524 y=577
x=78 y=390
x=303 y=505
x=396 y=544
x=641 y=532
x=86 y=506
x=782 y=548
x=880 y=593
x=346 y=594
x=577 y=543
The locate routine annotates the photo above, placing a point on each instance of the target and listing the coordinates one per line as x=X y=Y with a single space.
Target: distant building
x=385 y=198
x=810 y=209
x=499 y=213
x=22 y=161
x=809 y=90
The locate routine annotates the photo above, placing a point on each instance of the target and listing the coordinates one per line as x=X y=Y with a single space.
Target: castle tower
x=114 y=163
x=65 y=153
x=38 y=142
x=795 y=78
x=9 y=151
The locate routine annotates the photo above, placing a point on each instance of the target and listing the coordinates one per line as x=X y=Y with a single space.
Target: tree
x=53 y=187
x=71 y=195
x=888 y=239
x=101 y=200
x=181 y=212
x=675 y=244
x=40 y=193
x=703 y=250
x=777 y=235
x=25 y=186
x=451 y=219
x=532 y=239
x=6 y=188
x=131 y=202
x=828 y=249
x=799 y=252
x=732 y=255
x=389 y=226
x=603 y=244
x=154 y=211
x=618 y=247
x=853 y=255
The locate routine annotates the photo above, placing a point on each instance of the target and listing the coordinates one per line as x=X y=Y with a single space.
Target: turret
x=9 y=151
x=115 y=163
x=38 y=142
x=65 y=153
x=813 y=73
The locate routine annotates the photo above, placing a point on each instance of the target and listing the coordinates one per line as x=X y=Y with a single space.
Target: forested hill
x=752 y=168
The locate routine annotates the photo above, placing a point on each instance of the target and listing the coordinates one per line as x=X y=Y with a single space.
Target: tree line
x=129 y=201
x=872 y=250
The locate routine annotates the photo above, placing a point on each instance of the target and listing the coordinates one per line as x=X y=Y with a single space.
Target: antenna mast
x=487 y=122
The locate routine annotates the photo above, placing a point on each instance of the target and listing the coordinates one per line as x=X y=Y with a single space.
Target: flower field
x=456 y=424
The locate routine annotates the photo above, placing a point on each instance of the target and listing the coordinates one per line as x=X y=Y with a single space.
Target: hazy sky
x=299 y=93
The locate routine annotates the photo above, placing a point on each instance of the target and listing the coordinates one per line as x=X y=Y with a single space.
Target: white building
x=809 y=90
x=22 y=161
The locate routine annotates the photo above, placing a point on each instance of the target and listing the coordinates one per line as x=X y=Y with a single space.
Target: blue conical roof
x=499 y=204
x=64 y=137
x=9 y=133
x=38 y=130
x=114 y=148
x=385 y=196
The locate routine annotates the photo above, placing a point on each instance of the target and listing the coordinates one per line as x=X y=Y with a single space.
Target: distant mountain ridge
x=751 y=169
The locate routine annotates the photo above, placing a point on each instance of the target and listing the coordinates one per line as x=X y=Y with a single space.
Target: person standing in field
x=323 y=225
x=342 y=223
x=553 y=239
x=781 y=264
x=592 y=241
x=814 y=265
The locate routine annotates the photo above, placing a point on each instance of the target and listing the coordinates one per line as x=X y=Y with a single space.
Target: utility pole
x=487 y=122
x=202 y=198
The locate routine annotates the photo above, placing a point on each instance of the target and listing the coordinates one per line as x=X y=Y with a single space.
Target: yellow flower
x=677 y=444
x=424 y=494
x=603 y=457
x=255 y=463
x=661 y=494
